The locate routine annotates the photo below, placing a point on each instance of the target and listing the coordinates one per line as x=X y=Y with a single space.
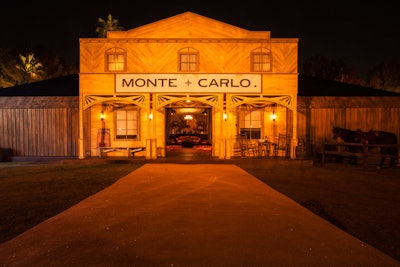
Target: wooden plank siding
x=47 y=130
x=316 y=117
x=49 y=126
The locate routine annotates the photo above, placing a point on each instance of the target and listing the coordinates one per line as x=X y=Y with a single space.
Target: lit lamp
x=273 y=116
x=225 y=116
x=151 y=116
x=103 y=129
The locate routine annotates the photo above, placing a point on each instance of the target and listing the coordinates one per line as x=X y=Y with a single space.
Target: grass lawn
x=364 y=203
x=31 y=194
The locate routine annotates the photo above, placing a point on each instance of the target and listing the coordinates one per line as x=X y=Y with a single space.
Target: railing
x=355 y=151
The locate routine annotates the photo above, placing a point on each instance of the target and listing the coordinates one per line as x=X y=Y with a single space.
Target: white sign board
x=188 y=83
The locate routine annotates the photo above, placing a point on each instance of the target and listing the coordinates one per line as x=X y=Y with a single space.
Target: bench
x=130 y=151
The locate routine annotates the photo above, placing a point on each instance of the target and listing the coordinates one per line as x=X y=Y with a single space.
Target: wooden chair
x=282 y=148
x=248 y=148
x=264 y=147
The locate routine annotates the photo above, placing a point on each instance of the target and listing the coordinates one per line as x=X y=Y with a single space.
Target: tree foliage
x=19 y=65
x=9 y=74
x=335 y=70
x=31 y=67
x=109 y=24
x=385 y=76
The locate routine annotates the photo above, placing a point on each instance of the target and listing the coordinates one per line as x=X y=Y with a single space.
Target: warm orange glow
x=102 y=116
x=273 y=116
x=225 y=116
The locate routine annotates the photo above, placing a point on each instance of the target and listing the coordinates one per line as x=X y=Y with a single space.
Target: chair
x=264 y=147
x=282 y=148
x=248 y=148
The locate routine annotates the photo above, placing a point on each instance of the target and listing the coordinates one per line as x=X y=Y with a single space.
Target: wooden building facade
x=184 y=76
x=185 y=70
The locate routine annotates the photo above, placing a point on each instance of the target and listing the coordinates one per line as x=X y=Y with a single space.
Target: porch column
x=294 y=133
x=81 y=150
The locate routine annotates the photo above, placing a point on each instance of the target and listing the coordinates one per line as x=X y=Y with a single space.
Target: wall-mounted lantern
x=225 y=116
x=273 y=114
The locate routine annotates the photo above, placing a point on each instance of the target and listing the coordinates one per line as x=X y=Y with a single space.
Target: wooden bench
x=130 y=151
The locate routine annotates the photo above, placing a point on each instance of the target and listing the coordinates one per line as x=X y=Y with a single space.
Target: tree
x=385 y=76
x=30 y=67
x=9 y=75
x=110 y=24
x=335 y=70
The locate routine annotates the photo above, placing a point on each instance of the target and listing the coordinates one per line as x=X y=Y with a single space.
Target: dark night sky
x=362 y=36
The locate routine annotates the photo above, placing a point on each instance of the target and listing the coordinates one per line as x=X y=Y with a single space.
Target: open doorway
x=188 y=130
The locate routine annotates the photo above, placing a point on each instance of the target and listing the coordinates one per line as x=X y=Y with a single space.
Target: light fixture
x=273 y=116
x=225 y=116
x=204 y=112
x=188 y=117
x=173 y=112
x=102 y=115
x=151 y=116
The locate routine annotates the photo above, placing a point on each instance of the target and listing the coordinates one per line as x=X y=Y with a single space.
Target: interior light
x=188 y=117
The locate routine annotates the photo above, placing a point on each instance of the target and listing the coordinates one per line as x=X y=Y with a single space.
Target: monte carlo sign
x=188 y=83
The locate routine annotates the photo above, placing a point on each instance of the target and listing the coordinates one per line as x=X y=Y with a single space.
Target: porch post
x=81 y=150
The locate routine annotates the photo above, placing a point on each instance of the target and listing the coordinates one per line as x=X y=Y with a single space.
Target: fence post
x=365 y=155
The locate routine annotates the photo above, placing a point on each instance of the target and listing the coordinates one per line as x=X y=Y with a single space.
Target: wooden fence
x=48 y=129
x=369 y=154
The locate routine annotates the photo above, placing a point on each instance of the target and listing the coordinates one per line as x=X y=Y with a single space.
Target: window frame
x=115 y=51
x=190 y=52
x=134 y=123
x=261 y=52
x=246 y=121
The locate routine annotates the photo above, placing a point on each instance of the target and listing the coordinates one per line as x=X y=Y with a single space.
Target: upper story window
x=261 y=60
x=115 y=59
x=188 y=59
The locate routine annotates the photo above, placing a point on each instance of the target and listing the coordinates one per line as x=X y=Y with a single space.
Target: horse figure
x=384 y=138
x=348 y=136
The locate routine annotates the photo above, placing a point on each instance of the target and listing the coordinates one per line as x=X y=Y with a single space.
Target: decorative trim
x=90 y=100
x=237 y=100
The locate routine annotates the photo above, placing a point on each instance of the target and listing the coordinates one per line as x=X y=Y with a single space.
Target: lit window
x=250 y=122
x=127 y=124
x=116 y=59
x=188 y=60
x=261 y=60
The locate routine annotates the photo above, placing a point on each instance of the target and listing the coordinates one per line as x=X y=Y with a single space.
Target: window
x=115 y=59
x=188 y=60
x=261 y=60
x=127 y=124
x=250 y=123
